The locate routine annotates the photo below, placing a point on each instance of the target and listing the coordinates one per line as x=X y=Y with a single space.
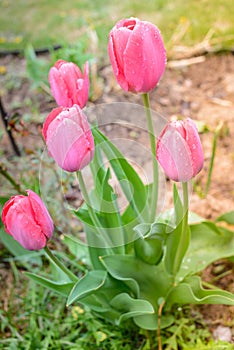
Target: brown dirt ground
x=204 y=92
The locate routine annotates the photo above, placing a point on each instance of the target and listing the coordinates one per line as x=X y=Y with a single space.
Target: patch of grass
x=46 y=23
x=35 y=318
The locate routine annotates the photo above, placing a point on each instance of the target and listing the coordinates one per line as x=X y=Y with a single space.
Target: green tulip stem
x=87 y=200
x=160 y=309
x=154 y=198
x=184 y=232
x=58 y=263
x=185 y=199
x=16 y=185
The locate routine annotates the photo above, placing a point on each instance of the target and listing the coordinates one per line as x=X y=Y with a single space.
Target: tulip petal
x=174 y=155
x=69 y=138
x=70 y=74
x=193 y=140
x=82 y=86
x=134 y=68
x=65 y=81
x=59 y=88
x=117 y=68
x=145 y=57
x=40 y=214
x=62 y=138
x=75 y=159
x=68 y=145
x=53 y=114
x=7 y=206
x=23 y=228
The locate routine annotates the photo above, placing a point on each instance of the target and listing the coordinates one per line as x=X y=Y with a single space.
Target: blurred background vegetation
x=45 y=23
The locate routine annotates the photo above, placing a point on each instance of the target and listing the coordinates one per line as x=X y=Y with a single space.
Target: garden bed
x=202 y=91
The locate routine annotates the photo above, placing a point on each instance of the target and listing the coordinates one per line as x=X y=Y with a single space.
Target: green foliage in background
x=47 y=23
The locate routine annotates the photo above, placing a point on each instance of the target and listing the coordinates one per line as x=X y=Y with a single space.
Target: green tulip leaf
x=98 y=299
x=60 y=288
x=208 y=244
x=190 y=291
x=146 y=281
x=174 y=256
x=142 y=229
x=131 y=184
x=130 y=307
x=87 y=285
x=150 y=322
x=78 y=248
x=227 y=217
x=149 y=250
x=96 y=303
x=104 y=201
x=156 y=230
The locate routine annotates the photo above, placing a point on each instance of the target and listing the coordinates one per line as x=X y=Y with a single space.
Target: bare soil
x=203 y=91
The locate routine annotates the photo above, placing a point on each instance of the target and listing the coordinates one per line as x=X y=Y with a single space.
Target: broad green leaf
x=110 y=234
x=130 y=307
x=99 y=299
x=149 y=244
x=107 y=193
x=190 y=291
x=78 y=248
x=98 y=241
x=149 y=249
x=132 y=186
x=142 y=229
x=206 y=246
x=110 y=212
x=101 y=307
x=194 y=218
x=61 y=288
x=113 y=267
x=96 y=303
x=176 y=246
x=227 y=217
x=150 y=322
x=91 y=282
x=83 y=215
x=97 y=167
x=146 y=281
x=97 y=245
x=212 y=226
x=156 y=230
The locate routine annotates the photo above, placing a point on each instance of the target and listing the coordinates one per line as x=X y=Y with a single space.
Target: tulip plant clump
x=141 y=263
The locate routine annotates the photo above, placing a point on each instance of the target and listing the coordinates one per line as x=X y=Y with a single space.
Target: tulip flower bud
x=68 y=85
x=27 y=220
x=69 y=138
x=137 y=55
x=179 y=150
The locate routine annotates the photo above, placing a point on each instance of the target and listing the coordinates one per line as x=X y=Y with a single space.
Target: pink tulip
x=27 y=220
x=69 y=138
x=179 y=150
x=69 y=86
x=137 y=54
